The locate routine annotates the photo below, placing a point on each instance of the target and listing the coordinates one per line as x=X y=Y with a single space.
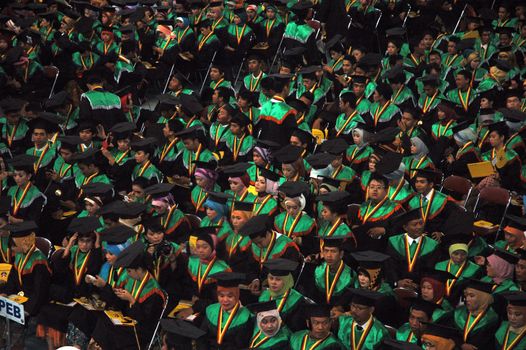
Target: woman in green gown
x=270 y=333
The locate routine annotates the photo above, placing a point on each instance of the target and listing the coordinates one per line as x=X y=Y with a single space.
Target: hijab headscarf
x=269 y=313
x=364 y=136
x=374 y=275
x=288 y=283
x=25 y=243
x=212 y=242
x=208 y=175
x=464 y=136
x=220 y=208
x=421 y=148
x=502 y=268
x=485 y=299
x=439 y=288
x=299 y=201
x=264 y=153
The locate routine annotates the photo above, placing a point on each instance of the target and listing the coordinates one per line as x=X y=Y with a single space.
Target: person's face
x=376 y=96
x=364 y=280
x=485 y=103
x=110 y=258
x=269 y=324
x=288 y=171
x=461 y=81
x=358 y=89
x=86 y=135
x=215 y=97
x=91 y=208
x=262 y=241
x=332 y=255
x=237 y=219
x=66 y=154
x=21 y=177
x=191 y=144
x=308 y=83
x=416 y=317
x=215 y=74
x=227 y=299
x=236 y=185
x=154 y=237
x=429 y=90
x=319 y=327
x=392 y=49
x=361 y=313
x=426 y=290
x=105 y=36
x=223 y=116
x=202 y=249
x=123 y=145
x=376 y=190
x=520 y=271
x=504 y=40
x=292 y=208
x=472 y=302
x=408 y=120
x=495 y=139
x=201 y=181
x=511 y=238
x=422 y=185
x=372 y=164
x=503 y=13
x=357 y=54
x=427 y=41
x=357 y=138
x=295 y=141
x=85 y=244
x=327 y=214
x=242 y=103
x=458 y=257
x=235 y=129
x=513 y=102
x=211 y=213
x=270 y=14
x=337 y=162
x=516 y=316
x=253 y=66
x=174 y=84
x=137 y=191
x=347 y=66
x=256 y=158
x=275 y=283
x=141 y=156
x=260 y=184
x=414 y=228
x=451 y=48
x=166 y=131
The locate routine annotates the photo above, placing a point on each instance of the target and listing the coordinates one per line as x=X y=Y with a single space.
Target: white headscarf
x=421 y=148
x=270 y=313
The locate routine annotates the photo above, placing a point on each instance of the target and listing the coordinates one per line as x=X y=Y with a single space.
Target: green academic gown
x=476 y=331
x=351 y=334
x=302 y=341
x=508 y=340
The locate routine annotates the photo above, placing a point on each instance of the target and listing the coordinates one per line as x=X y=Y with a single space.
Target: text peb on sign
x=12 y=310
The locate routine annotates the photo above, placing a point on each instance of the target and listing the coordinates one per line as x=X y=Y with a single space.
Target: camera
x=163 y=249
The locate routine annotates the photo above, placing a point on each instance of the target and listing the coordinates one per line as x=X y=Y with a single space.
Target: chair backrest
x=391 y=330
x=352 y=213
x=56 y=255
x=44 y=245
x=405 y=296
x=457 y=184
x=494 y=195
x=154 y=335
x=193 y=220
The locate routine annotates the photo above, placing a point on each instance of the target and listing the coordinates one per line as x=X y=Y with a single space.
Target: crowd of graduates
x=264 y=174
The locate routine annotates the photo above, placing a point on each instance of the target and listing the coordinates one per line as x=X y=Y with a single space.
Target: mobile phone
x=90 y=278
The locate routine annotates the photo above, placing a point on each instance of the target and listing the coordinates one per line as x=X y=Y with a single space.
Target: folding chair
x=154 y=335
x=459 y=185
x=44 y=245
x=492 y=196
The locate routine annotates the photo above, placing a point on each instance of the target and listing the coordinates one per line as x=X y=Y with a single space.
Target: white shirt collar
x=411 y=240
x=366 y=324
x=430 y=194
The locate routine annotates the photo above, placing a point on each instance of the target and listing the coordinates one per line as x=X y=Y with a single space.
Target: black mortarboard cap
x=303 y=135
x=132 y=256
x=429 y=174
x=11 y=104
x=333 y=197
x=210 y=165
x=320 y=160
x=159 y=190
x=236 y=170
x=333 y=241
x=293 y=189
x=117 y=234
x=268 y=174
x=57 y=100
x=256 y=226
x=280 y=266
x=336 y=146
x=229 y=279
x=84 y=225
x=219 y=197
x=122 y=130
x=438 y=275
x=404 y=218
x=70 y=142
x=21 y=229
x=317 y=310
x=516 y=222
x=193 y=132
x=97 y=189
x=516 y=298
x=513 y=115
x=365 y=297
x=501 y=127
x=178 y=330
x=146 y=144
x=479 y=285
x=369 y=259
x=506 y=255
x=86 y=156
x=240 y=118
x=288 y=154
x=441 y=331
x=389 y=162
x=425 y=306
x=267 y=144
x=262 y=307
x=392 y=344
x=243 y=206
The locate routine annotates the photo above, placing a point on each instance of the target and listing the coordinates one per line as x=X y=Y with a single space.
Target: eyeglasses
x=376 y=187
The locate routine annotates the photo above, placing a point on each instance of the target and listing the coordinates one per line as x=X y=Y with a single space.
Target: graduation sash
x=221 y=330
x=361 y=340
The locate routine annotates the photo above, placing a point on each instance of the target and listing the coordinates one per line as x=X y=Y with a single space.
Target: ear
x=308 y=323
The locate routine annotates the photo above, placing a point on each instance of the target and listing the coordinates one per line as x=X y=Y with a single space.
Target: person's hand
x=376 y=232
x=437 y=236
x=53 y=175
x=72 y=240
x=99 y=282
x=328 y=69
x=151 y=249
x=450 y=158
x=123 y=294
x=255 y=287
x=184 y=313
x=468 y=347
x=13 y=220
x=408 y=284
